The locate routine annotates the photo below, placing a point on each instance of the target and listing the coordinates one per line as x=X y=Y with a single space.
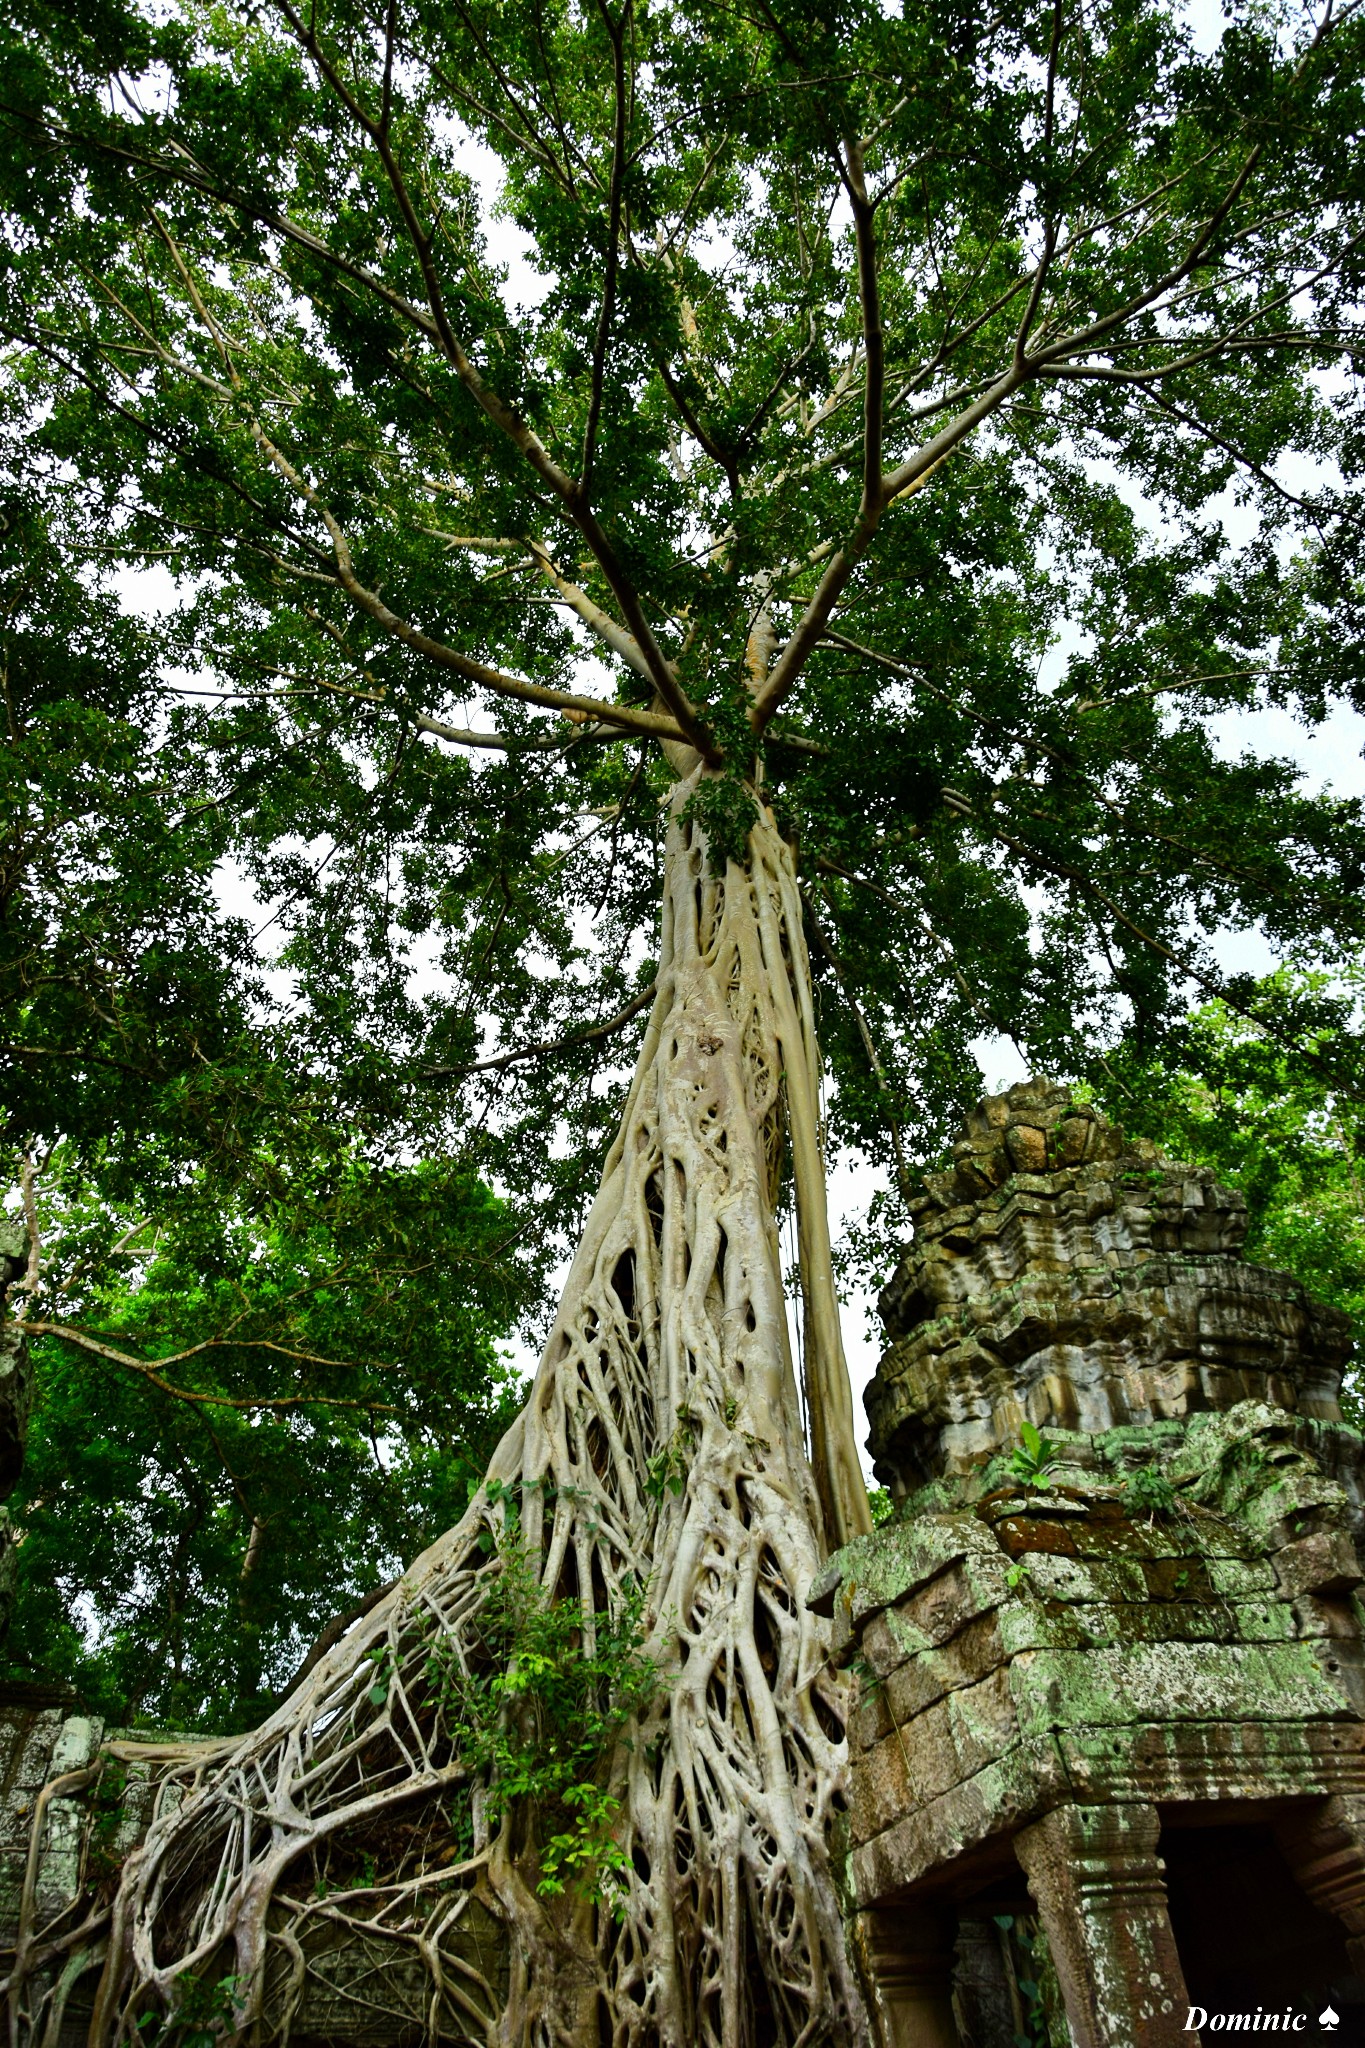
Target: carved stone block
x=1097 y=1878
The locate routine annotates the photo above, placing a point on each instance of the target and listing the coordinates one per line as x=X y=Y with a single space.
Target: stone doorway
x=1247 y=1934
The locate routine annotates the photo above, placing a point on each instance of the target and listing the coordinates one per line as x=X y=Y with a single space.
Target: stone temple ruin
x=1109 y=1757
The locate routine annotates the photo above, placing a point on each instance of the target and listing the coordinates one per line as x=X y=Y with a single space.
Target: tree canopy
x=246 y=1424
x=914 y=410
x=264 y=1335
x=911 y=412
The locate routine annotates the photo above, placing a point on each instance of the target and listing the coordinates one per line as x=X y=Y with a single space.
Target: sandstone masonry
x=1109 y=1756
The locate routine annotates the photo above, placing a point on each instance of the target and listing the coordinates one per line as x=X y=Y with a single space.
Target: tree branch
x=916 y=467
x=874 y=341
x=598 y=622
x=152 y=1370
x=1050 y=225
x=434 y=325
x=908 y=477
x=506 y=418
x=333 y=1633
x=548 y=1045
x=436 y=650
x=186 y=171
x=602 y=338
x=549 y=743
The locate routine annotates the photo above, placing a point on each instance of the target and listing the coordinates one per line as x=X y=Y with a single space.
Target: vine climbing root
x=352 y=1848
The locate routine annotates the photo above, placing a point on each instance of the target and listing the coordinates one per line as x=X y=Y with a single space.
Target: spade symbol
x=1329 y=2019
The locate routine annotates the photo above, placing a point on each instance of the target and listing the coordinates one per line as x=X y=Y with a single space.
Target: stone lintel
x=1324 y=1846
x=1224 y=1767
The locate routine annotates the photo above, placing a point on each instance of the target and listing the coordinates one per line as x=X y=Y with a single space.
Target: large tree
x=899 y=470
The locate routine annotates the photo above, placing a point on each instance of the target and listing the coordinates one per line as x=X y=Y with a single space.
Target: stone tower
x=1066 y=1274
x=1108 y=1761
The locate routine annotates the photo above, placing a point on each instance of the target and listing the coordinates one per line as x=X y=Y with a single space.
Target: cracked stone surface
x=1064 y=1274
x=1166 y=1614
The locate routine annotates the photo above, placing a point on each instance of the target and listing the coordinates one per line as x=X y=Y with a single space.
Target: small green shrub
x=539 y=1715
x=205 y=2015
x=107 y=1816
x=1034 y=1458
x=667 y=1471
x=1149 y=1492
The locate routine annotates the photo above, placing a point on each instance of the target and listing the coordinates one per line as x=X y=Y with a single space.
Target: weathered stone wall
x=1064 y=1274
x=1065 y=1650
x=38 y=1744
x=86 y=1833
x=1033 y=1644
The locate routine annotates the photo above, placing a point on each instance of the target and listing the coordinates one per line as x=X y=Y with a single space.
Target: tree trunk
x=661 y=1447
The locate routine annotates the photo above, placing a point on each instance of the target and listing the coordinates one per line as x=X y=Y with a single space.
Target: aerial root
x=347 y=1851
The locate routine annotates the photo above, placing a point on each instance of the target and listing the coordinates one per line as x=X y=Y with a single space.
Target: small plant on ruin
x=1149 y=1492
x=1034 y=1457
x=106 y=1799
x=539 y=1712
x=1032 y=1977
x=205 y=2015
x=667 y=1472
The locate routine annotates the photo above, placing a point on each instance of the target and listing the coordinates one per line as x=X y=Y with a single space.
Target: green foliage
x=1033 y=1458
x=1149 y=1492
x=205 y=2015
x=298 y=1398
x=881 y=1504
x=107 y=1817
x=1010 y=741
x=667 y=1470
x=1287 y=1130
x=383 y=1676
x=265 y=1340
x=724 y=809
x=540 y=1709
x=1029 y=1961
x=584 y=1853
x=129 y=1001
